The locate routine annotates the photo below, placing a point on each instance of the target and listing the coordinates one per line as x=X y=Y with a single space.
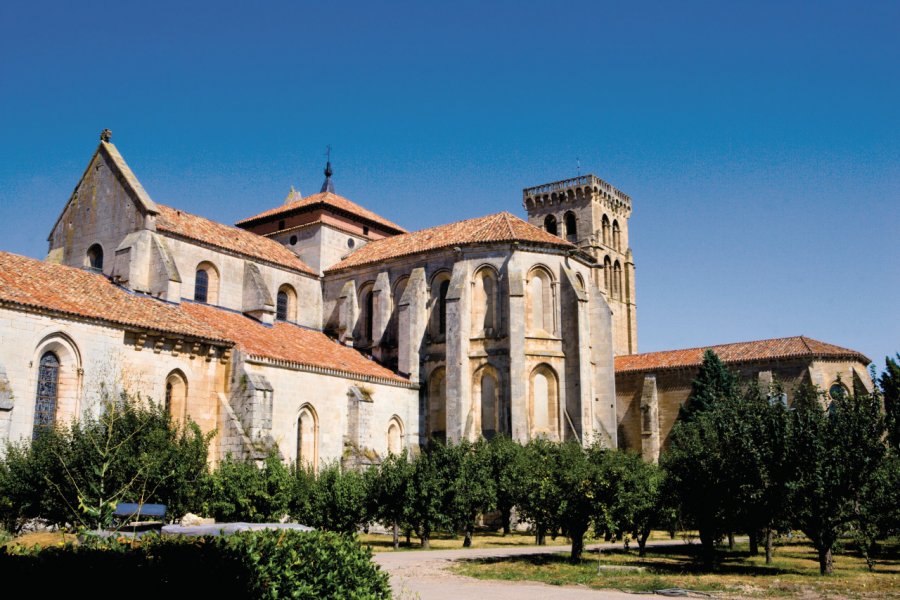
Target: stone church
x=323 y=330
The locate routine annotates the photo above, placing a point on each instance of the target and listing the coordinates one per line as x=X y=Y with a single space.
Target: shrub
x=259 y=564
x=338 y=500
x=240 y=490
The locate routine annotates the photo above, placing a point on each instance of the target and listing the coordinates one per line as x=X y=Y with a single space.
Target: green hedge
x=258 y=564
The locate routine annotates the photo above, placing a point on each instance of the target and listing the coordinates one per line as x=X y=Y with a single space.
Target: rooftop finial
x=105 y=135
x=328 y=185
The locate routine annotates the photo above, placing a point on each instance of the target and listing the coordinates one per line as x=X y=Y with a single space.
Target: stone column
x=348 y=312
x=518 y=376
x=381 y=308
x=412 y=320
x=649 y=420
x=604 y=401
x=459 y=385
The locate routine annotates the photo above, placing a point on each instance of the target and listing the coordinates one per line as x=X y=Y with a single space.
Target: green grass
x=794 y=572
x=446 y=541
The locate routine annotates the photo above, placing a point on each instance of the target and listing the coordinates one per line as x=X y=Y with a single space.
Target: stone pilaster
x=518 y=375
x=604 y=401
x=348 y=312
x=459 y=393
x=412 y=320
x=649 y=420
x=381 y=306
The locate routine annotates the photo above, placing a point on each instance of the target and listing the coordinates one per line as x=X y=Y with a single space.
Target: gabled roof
x=236 y=240
x=779 y=348
x=291 y=344
x=128 y=178
x=31 y=283
x=295 y=204
x=500 y=227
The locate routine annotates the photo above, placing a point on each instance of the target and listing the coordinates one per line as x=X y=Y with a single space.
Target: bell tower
x=593 y=215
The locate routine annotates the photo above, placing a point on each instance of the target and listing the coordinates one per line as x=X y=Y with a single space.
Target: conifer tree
x=713 y=382
x=890 y=388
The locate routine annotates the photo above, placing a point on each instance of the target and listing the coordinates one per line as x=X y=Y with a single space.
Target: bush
x=241 y=491
x=339 y=500
x=258 y=564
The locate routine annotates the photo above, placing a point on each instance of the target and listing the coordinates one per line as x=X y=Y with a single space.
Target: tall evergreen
x=713 y=382
x=890 y=388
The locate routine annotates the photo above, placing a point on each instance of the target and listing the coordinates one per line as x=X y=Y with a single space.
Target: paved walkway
x=423 y=575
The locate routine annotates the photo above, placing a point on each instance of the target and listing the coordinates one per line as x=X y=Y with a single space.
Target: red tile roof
x=322 y=200
x=32 y=283
x=289 y=343
x=500 y=227
x=780 y=348
x=236 y=240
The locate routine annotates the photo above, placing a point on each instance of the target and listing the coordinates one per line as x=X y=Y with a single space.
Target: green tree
x=890 y=389
x=713 y=382
x=508 y=474
x=835 y=453
x=474 y=491
x=339 y=500
x=638 y=505
x=239 y=490
x=428 y=496
x=538 y=502
x=388 y=487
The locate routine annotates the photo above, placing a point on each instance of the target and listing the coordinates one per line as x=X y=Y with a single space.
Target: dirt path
x=423 y=575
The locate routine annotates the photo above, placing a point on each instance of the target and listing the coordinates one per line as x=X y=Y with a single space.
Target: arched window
x=442 y=306
x=607 y=276
x=605 y=227
x=176 y=396
x=838 y=390
x=617 y=281
x=616 y=234
x=395 y=436
x=308 y=438
x=393 y=329
x=485 y=321
x=206 y=284
x=370 y=315
x=544 y=403
x=95 y=258
x=366 y=323
x=488 y=389
x=571 y=226
x=540 y=299
x=47 y=394
x=286 y=304
x=550 y=225
x=437 y=405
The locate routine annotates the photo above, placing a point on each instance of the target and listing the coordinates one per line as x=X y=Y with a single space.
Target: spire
x=328 y=185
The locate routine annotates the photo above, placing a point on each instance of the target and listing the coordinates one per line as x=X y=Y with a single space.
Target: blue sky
x=760 y=141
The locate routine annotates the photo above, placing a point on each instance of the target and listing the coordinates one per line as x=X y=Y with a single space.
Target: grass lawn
x=445 y=541
x=795 y=572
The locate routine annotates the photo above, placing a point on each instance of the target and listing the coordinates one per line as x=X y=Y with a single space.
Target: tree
x=834 y=453
x=473 y=488
x=388 y=486
x=713 y=382
x=428 y=496
x=239 y=490
x=507 y=473
x=539 y=500
x=638 y=503
x=890 y=389
x=339 y=500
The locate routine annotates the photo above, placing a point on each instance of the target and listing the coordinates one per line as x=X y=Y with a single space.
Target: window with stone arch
x=440 y=286
x=491 y=407
x=308 y=438
x=367 y=313
x=617 y=281
x=485 y=303
x=607 y=276
x=94 y=258
x=206 y=283
x=176 y=395
x=616 y=236
x=541 y=302
x=395 y=435
x=47 y=396
x=605 y=228
x=543 y=403
x=286 y=303
x=436 y=418
x=571 y=223
x=550 y=225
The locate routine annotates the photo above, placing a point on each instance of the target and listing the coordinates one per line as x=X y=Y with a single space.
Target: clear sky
x=760 y=141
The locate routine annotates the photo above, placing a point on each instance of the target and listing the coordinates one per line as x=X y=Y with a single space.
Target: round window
x=293 y=240
x=837 y=391
x=350 y=242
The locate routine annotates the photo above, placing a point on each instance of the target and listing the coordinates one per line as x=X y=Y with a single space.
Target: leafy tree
x=239 y=490
x=638 y=504
x=877 y=514
x=474 y=491
x=713 y=382
x=339 y=500
x=428 y=496
x=835 y=453
x=508 y=474
x=890 y=389
x=538 y=503
x=388 y=487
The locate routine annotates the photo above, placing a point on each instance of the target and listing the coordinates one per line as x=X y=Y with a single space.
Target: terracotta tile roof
x=222 y=236
x=322 y=200
x=780 y=348
x=500 y=227
x=289 y=343
x=36 y=284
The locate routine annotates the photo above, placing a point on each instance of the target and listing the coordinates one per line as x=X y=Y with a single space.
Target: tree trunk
x=754 y=542
x=826 y=561
x=769 y=540
x=408 y=538
x=396 y=535
x=425 y=539
x=506 y=518
x=541 y=537
x=731 y=541
x=707 y=548
x=577 y=546
x=467 y=540
x=642 y=543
